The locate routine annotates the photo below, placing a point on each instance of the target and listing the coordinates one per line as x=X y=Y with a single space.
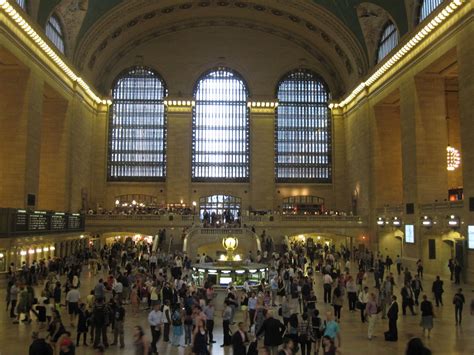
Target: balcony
x=128 y=222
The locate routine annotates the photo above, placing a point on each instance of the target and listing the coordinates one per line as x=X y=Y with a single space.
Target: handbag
x=359 y=305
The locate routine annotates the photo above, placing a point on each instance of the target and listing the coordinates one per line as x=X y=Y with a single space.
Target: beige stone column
x=178 y=153
x=21 y=99
x=99 y=160
x=262 y=158
x=465 y=53
x=424 y=140
x=54 y=159
x=342 y=202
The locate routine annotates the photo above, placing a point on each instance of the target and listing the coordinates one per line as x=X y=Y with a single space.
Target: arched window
x=55 y=33
x=22 y=4
x=302 y=129
x=427 y=7
x=137 y=127
x=388 y=41
x=220 y=128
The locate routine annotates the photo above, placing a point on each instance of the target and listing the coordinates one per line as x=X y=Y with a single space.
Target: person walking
x=304 y=335
x=438 y=290
x=457 y=272
x=427 y=314
x=407 y=299
x=140 y=342
x=200 y=339
x=392 y=315
x=177 y=322
x=417 y=288
x=327 y=286
x=101 y=315
x=451 y=268
x=371 y=314
x=273 y=330
x=166 y=320
x=332 y=329
x=419 y=268
x=363 y=299
x=119 y=317
x=13 y=299
x=155 y=320
x=338 y=301
x=240 y=340
x=351 y=288
x=458 y=301
x=82 y=324
x=399 y=265
x=209 y=312
x=226 y=318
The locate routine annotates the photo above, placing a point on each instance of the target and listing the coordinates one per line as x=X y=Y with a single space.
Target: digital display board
x=470 y=237
x=15 y=221
x=409 y=233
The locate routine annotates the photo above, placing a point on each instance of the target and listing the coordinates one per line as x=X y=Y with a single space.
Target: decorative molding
x=404 y=47
x=137 y=12
x=38 y=42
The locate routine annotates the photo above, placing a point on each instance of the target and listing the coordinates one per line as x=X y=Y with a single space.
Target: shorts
x=73 y=308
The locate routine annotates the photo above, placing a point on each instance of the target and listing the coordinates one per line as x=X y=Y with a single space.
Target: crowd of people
x=282 y=309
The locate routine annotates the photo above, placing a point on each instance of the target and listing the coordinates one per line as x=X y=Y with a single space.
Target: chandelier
x=453 y=158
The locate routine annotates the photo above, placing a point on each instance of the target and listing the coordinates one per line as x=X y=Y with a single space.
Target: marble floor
x=446 y=337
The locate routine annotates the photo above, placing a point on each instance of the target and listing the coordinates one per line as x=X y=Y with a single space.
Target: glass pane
x=220 y=128
x=303 y=129
x=137 y=129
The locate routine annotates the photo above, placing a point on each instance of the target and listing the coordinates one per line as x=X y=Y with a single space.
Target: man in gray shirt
x=209 y=312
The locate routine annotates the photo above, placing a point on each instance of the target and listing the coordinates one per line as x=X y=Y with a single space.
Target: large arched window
x=220 y=128
x=427 y=7
x=303 y=129
x=22 y=4
x=54 y=32
x=388 y=41
x=137 y=127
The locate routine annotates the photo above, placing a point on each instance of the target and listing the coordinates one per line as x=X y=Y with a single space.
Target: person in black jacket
x=273 y=330
x=438 y=290
x=392 y=315
x=240 y=340
x=39 y=346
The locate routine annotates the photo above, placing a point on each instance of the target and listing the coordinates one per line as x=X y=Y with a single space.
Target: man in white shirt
x=72 y=301
x=155 y=319
x=118 y=289
x=327 y=286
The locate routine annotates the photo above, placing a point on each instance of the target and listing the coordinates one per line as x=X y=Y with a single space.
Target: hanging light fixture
x=453 y=158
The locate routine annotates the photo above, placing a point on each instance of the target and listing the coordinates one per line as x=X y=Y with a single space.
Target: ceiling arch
x=301 y=22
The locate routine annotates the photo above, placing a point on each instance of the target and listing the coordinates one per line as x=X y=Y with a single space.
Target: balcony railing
x=441 y=206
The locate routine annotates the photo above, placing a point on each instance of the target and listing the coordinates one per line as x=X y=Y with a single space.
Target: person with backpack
x=458 y=301
x=316 y=329
x=177 y=322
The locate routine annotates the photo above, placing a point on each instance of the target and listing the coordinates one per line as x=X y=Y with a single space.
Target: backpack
x=286 y=275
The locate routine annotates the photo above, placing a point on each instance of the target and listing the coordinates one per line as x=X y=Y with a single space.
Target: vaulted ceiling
x=339 y=35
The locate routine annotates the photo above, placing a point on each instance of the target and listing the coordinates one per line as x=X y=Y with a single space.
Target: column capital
x=262 y=107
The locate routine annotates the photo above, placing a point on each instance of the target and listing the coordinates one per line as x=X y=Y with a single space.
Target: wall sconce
x=453 y=221
x=380 y=221
x=427 y=222
x=397 y=222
